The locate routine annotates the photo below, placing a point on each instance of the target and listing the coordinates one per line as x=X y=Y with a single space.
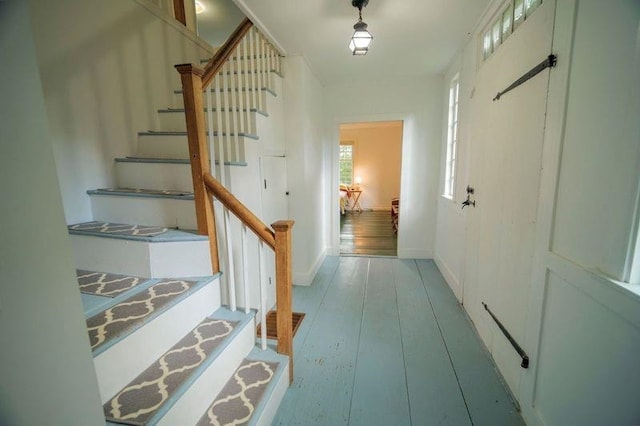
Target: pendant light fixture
x=361 y=38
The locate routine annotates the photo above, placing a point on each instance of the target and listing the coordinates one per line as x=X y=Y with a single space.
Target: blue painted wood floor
x=385 y=342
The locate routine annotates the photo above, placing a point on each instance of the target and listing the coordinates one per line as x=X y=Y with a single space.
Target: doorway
x=370 y=161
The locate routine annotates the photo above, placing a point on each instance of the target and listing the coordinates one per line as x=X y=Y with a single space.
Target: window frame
x=451 y=157
x=340 y=159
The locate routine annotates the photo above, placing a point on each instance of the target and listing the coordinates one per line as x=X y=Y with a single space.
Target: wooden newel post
x=282 y=230
x=191 y=77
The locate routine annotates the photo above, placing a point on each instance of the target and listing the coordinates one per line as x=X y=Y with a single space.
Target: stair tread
x=153 y=234
x=180 y=133
x=245 y=393
x=152 y=393
x=141 y=192
x=170 y=110
x=181 y=161
x=229 y=89
x=152 y=160
x=124 y=316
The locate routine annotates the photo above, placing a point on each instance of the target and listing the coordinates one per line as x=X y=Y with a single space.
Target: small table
x=356 y=201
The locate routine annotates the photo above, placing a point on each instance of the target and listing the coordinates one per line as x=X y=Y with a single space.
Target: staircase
x=169 y=346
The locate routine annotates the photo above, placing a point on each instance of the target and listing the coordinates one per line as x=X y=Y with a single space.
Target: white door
x=506 y=139
x=275 y=206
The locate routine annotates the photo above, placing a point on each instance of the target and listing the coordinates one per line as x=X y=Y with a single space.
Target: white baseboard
x=305 y=278
x=414 y=253
x=449 y=277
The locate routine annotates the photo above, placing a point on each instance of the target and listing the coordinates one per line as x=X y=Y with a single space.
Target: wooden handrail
x=194 y=81
x=221 y=56
x=240 y=210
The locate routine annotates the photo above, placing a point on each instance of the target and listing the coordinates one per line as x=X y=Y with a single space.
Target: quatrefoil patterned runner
x=238 y=399
x=106 y=284
x=96 y=227
x=133 y=311
x=140 y=399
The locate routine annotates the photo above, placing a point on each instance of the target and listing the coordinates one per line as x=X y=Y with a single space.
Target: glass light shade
x=359 y=44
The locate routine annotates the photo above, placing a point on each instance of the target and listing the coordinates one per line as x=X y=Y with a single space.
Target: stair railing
x=248 y=59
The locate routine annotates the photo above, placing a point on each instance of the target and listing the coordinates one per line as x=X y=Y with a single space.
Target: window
x=452 y=139
x=505 y=23
x=346 y=163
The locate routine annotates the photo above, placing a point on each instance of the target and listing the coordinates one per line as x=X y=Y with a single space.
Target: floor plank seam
x=355 y=365
x=404 y=359
x=444 y=342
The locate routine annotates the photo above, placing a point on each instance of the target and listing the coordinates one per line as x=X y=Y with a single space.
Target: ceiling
x=410 y=37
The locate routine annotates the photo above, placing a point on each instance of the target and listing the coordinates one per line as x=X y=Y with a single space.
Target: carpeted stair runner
x=106 y=284
x=108 y=228
x=140 y=192
x=141 y=399
x=237 y=402
x=135 y=310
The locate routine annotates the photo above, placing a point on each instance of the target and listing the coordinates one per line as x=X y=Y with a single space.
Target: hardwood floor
x=385 y=342
x=368 y=233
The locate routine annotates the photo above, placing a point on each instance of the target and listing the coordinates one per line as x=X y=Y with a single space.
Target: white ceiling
x=410 y=37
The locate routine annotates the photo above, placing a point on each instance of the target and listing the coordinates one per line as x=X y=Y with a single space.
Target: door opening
x=370 y=161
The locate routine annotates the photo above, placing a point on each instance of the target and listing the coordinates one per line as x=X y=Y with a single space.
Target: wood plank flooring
x=368 y=233
x=385 y=342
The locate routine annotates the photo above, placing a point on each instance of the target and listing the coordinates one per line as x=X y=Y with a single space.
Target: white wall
x=449 y=252
x=417 y=101
x=45 y=361
x=303 y=121
x=218 y=21
x=104 y=76
x=377 y=160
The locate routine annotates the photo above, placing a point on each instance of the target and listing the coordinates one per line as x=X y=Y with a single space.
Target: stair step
x=257 y=98
x=100 y=290
x=190 y=371
x=173 y=119
x=175 y=144
x=121 y=319
x=171 y=253
x=143 y=192
x=140 y=172
x=130 y=333
x=252 y=394
x=167 y=208
x=119 y=230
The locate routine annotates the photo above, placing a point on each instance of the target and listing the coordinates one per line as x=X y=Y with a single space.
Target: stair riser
x=195 y=401
x=140 y=258
x=242 y=122
x=172 y=213
x=154 y=176
x=176 y=146
x=121 y=363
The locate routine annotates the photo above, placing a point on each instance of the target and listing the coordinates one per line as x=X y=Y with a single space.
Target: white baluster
x=231 y=276
x=263 y=298
x=253 y=67
x=245 y=270
x=246 y=74
x=225 y=129
x=218 y=135
x=232 y=115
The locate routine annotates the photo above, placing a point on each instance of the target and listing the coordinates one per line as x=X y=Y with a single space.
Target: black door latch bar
x=547 y=63
x=516 y=346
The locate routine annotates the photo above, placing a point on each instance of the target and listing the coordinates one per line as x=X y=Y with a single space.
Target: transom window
x=514 y=13
x=452 y=139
